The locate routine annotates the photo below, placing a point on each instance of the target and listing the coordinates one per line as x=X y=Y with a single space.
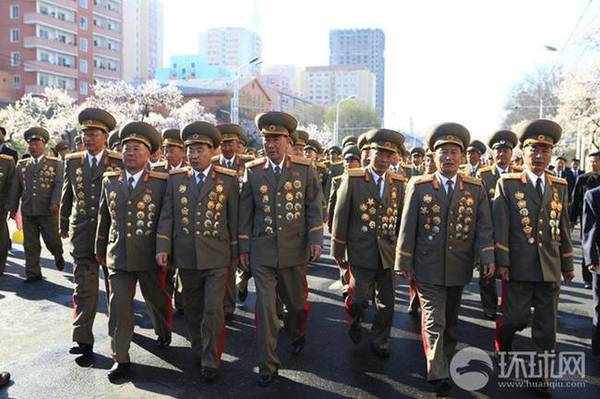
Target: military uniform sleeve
x=590 y=230
x=103 y=221
x=501 y=217
x=400 y=204
x=405 y=247
x=314 y=211
x=164 y=231
x=16 y=188
x=484 y=234
x=233 y=202
x=577 y=200
x=246 y=214
x=566 y=246
x=341 y=216
x=10 y=177
x=66 y=201
x=57 y=189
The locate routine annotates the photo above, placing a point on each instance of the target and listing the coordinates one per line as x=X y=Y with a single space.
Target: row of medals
x=215 y=204
x=388 y=221
x=45 y=176
x=555 y=212
x=79 y=188
x=433 y=220
x=293 y=204
x=145 y=215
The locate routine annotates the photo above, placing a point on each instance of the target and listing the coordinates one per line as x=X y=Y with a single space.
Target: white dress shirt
x=136 y=177
x=443 y=181
x=98 y=157
x=376 y=177
x=534 y=178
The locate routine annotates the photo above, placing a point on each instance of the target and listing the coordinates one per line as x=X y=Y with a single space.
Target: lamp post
x=234 y=113
x=336 y=124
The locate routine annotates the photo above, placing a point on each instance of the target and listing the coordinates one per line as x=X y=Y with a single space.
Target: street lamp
x=235 y=108
x=336 y=124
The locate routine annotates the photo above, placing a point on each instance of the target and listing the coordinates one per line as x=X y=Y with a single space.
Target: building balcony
x=107 y=53
x=106 y=32
x=106 y=12
x=34 y=18
x=107 y=73
x=32 y=42
x=41 y=66
x=39 y=89
x=69 y=4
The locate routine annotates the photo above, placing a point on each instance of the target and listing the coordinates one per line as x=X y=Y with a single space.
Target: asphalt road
x=35 y=338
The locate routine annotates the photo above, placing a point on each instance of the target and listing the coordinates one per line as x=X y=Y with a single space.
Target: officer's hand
x=244 y=262
x=315 y=252
x=101 y=260
x=503 y=272
x=64 y=234
x=408 y=275
x=568 y=276
x=54 y=209
x=489 y=270
x=161 y=259
x=341 y=261
x=593 y=268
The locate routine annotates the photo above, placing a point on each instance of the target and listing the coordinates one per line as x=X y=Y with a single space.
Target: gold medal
x=147 y=198
x=297 y=184
x=427 y=199
x=289 y=206
x=364 y=217
x=370 y=202
x=219 y=206
x=525 y=220
x=185 y=211
x=263 y=189
x=219 y=188
x=519 y=195
x=427 y=226
x=212 y=196
x=436 y=208
x=141 y=205
x=289 y=197
x=183 y=201
x=437 y=220
x=372 y=224
x=289 y=216
x=522 y=203
x=182 y=188
x=222 y=198
x=364 y=229
x=265 y=199
x=527 y=230
x=287 y=185
x=185 y=221
x=210 y=205
x=372 y=211
x=470 y=201
x=112 y=195
x=209 y=214
x=492 y=192
x=267 y=209
x=363 y=207
x=299 y=195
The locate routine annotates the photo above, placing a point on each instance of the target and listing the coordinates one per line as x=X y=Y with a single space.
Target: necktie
x=94 y=167
x=450 y=189
x=229 y=163
x=538 y=187
x=200 y=180
x=277 y=173
x=130 y=183
x=379 y=182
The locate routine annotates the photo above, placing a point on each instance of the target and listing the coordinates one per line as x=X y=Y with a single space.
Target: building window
x=83 y=44
x=15 y=58
x=14 y=35
x=83 y=66
x=17 y=82
x=83 y=23
x=14 y=11
x=83 y=88
x=83 y=3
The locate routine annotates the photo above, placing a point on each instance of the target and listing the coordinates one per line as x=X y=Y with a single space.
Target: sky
x=446 y=60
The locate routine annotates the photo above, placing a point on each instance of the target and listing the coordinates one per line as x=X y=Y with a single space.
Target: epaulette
x=178 y=171
x=160 y=164
x=356 y=172
x=300 y=160
x=511 y=176
x=245 y=157
x=484 y=169
x=225 y=171
x=558 y=180
x=320 y=165
x=74 y=155
x=4 y=156
x=114 y=154
x=464 y=166
x=52 y=158
x=397 y=176
x=256 y=162
x=158 y=175
x=25 y=160
x=215 y=158
x=337 y=177
x=327 y=162
x=113 y=173
x=422 y=179
x=517 y=168
x=471 y=180
x=550 y=172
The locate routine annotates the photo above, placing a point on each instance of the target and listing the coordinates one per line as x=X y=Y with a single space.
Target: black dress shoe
x=587 y=286
x=228 y=317
x=243 y=295
x=209 y=374
x=266 y=379
x=4 y=378
x=490 y=315
x=298 y=345
x=32 y=279
x=355 y=331
x=379 y=351
x=81 y=349
x=119 y=371
x=164 y=342
x=60 y=263
x=441 y=387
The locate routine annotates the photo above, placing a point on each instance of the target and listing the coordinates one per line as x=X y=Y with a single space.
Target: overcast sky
x=446 y=60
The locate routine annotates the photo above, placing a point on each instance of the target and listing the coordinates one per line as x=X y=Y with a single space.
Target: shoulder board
x=4 y=156
x=225 y=171
x=74 y=155
x=511 y=176
x=113 y=173
x=550 y=172
x=356 y=172
x=320 y=165
x=158 y=175
x=485 y=169
x=256 y=162
x=327 y=162
x=52 y=158
x=558 y=180
x=114 y=154
x=396 y=176
x=517 y=168
x=23 y=160
x=245 y=157
x=178 y=171
x=300 y=160
x=215 y=158
x=471 y=180
x=422 y=179
x=338 y=177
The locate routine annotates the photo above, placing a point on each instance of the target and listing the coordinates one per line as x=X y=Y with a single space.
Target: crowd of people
x=192 y=214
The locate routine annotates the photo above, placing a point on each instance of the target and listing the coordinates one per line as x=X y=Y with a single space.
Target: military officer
x=335 y=167
x=445 y=223
x=417 y=155
x=502 y=143
x=429 y=162
x=230 y=158
x=348 y=140
x=37 y=184
x=281 y=228
x=198 y=231
x=126 y=242
x=474 y=152
x=4 y=149
x=79 y=146
x=299 y=141
x=533 y=243
x=114 y=142
x=365 y=150
x=173 y=149
x=7 y=172
x=62 y=149
x=80 y=201
x=365 y=225
x=591 y=248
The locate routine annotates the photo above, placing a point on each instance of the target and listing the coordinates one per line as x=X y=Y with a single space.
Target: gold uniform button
x=278 y=193
x=128 y=224
x=279 y=228
x=540 y=245
x=93 y=185
x=129 y=213
x=197 y=232
x=128 y=202
x=450 y=248
x=128 y=235
x=278 y=216
x=278 y=205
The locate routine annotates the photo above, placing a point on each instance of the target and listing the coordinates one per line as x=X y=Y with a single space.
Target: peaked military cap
x=385 y=139
x=243 y=138
x=362 y=142
x=301 y=137
x=540 y=131
x=503 y=138
x=592 y=154
x=418 y=150
x=61 y=145
x=274 y=123
x=349 y=140
x=448 y=133
x=96 y=118
x=478 y=146
x=78 y=139
x=201 y=133
x=141 y=132
x=113 y=139
x=172 y=136
x=2 y=131
x=313 y=144
x=36 y=133
x=230 y=131
x=351 y=151
x=334 y=148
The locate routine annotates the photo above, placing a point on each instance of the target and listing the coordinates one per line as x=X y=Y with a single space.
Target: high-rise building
x=326 y=85
x=361 y=47
x=281 y=77
x=69 y=44
x=191 y=67
x=231 y=48
x=142 y=39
